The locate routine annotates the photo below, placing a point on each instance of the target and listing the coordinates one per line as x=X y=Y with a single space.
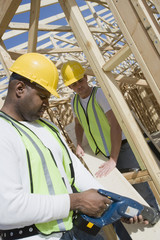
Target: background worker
x=40 y=177
x=94 y=116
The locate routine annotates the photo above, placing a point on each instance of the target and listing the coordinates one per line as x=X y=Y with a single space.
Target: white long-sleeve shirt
x=18 y=207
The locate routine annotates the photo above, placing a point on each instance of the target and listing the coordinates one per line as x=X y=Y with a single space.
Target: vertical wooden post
x=33 y=25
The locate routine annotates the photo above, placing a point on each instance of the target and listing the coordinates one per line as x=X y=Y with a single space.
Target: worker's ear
x=20 y=88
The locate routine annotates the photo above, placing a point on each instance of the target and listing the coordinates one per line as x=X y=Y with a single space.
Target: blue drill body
x=120 y=207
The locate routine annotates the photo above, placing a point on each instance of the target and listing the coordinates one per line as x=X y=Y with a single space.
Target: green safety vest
x=45 y=177
x=94 y=123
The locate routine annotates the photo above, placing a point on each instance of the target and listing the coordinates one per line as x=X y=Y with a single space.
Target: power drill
x=120 y=207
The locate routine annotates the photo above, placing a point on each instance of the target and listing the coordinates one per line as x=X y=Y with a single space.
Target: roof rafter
x=8 y=9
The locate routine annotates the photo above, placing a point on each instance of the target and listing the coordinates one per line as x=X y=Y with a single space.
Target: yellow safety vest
x=45 y=177
x=94 y=123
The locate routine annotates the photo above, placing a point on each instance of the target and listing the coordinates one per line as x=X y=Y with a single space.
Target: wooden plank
x=26 y=7
x=119 y=57
x=154 y=190
x=115 y=182
x=149 y=21
x=131 y=80
x=1 y=102
x=8 y=9
x=146 y=132
x=94 y=13
x=134 y=31
x=51 y=28
x=5 y=58
x=136 y=174
x=146 y=178
x=110 y=232
x=157 y=5
x=98 y=1
x=106 y=80
x=33 y=25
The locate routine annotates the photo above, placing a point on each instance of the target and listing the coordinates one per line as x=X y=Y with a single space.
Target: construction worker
x=41 y=182
x=94 y=117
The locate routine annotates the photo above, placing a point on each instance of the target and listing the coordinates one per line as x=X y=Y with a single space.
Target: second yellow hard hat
x=71 y=72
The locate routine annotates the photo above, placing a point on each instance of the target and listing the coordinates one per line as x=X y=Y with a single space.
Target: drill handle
x=112 y=196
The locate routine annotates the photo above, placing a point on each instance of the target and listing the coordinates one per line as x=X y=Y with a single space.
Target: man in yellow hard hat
x=40 y=184
x=39 y=188
x=94 y=117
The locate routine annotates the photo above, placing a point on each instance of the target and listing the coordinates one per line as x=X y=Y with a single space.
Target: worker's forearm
x=116 y=135
x=79 y=133
x=89 y=202
x=116 y=139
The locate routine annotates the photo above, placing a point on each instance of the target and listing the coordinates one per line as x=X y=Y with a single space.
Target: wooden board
x=117 y=183
x=1 y=102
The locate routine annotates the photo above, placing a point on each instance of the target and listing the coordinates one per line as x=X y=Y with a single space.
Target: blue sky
x=45 y=12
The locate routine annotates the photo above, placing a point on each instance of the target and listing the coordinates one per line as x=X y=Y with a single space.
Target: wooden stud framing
x=148 y=21
x=120 y=56
x=33 y=28
x=8 y=9
x=134 y=31
x=157 y=4
x=5 y=58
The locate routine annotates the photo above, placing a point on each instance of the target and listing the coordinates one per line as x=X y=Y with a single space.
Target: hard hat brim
x=73 y=80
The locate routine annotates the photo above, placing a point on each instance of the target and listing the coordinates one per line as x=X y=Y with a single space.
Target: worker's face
x=33 y=103
x=81 y=87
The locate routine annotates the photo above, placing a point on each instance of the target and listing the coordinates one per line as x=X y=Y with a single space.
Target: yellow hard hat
x=71 y=72
x=39 y=69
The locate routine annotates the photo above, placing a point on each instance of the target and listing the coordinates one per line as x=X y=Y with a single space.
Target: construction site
x=118 y=44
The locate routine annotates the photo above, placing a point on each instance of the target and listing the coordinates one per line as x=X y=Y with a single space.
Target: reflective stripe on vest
x=43 y=181
x=94 y=123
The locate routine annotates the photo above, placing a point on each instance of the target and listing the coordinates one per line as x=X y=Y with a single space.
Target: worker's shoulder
x=99 y=89
x=6 y=128
x=51 y=123
x=99 y=92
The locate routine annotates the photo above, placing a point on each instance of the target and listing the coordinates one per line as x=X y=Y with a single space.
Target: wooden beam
x=1 y=102
x=26 y=7
x=8 y=9
x=113 y=94
x=16 y=54
x=135 y=174
x=119 y=57
x=5 y=58
x=33 y=25
x=148 y=20
x=136 y=35
x=146 y=132
x=131 y=80
x=157 y=4
x=51 y=28
x=101 y=2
